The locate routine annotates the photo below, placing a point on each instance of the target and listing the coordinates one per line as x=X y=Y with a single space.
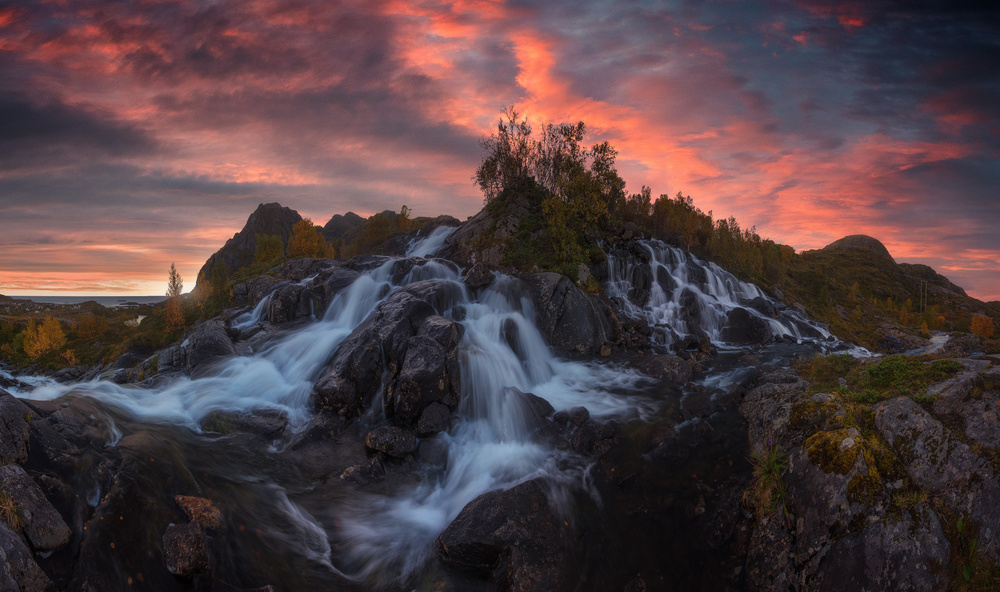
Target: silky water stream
x=292 y=522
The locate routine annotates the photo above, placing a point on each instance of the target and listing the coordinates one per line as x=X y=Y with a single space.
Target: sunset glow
x=139 y=134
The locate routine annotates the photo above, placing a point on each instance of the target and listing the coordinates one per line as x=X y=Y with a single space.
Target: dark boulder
x=351 y=379
x=429 y=374
x=666 y=367
x=208 y=343
x=764 y=306
x=570 y=321
x=14 y=434
x=478 y=276
x=421 y=369
x=391 y=440
x=513 y=536
x=744 y=327
x=293 y=301
x=333 y=282
x=44 y=528
x=18 y=570
x=184 y=550
x=641 y=280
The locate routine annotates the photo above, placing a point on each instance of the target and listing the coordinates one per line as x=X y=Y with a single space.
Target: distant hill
x=339 y=226
x=855 y=286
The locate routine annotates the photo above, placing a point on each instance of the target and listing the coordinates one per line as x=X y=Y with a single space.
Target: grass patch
x=768 y=490
x=866 y=382
x=8 y=512
x=971 y=570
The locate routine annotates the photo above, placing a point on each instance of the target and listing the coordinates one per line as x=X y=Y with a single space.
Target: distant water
x=106 y=301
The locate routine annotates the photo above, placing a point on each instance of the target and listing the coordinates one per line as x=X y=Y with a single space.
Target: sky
x=138 y=133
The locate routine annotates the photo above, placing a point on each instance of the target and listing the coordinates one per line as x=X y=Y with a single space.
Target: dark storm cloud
x=46 y=132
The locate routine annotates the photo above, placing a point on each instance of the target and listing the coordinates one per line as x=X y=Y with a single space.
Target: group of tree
x=581 y=197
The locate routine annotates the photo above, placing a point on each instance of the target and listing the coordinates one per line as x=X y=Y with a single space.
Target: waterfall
x=431 y=243
x=679 y=295
x=387 y=537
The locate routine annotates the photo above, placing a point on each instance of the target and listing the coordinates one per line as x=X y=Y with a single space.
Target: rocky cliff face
x=238 y=252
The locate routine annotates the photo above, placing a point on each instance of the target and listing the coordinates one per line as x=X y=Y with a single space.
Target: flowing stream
x=317 y=530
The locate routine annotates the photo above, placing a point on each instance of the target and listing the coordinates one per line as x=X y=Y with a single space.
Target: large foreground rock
x=407 y=349
x=513 y=536
x=568 y=318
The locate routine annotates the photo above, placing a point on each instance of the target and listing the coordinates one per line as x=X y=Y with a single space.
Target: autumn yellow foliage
x=982 y=325
x=42 y=339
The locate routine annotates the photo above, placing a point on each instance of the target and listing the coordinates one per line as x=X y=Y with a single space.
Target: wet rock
x=666 y=367
x=171 y=359
x=426 y=377
x=41 y=523
x=478 y=276
x=208 y=343
x=351 y=380
x=257 y=288
x=568 y=318
x=764 y=306
x=391 y=440
x=14 y=433
x=433 y=451
x=743 y=327
x=202 y=511
x=434 y=418
x=641 y=280
x=442 y=330
x=513 y=536
x=184 y=550
x=333 y=281
x=596 y=439
x=364 y=473
x=291 y=302
x=526 y=412
x=266 y=423
x=18 y=570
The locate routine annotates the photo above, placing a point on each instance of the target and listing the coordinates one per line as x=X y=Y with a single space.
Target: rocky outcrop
x=405 y=347
x=570 y=321
x=512 y=536
x=207 y=344
x=238 y=252
x=18 y=570
x=857 y=510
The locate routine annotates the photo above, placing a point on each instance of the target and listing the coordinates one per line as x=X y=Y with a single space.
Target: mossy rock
x=834 y=451
x=818 y=412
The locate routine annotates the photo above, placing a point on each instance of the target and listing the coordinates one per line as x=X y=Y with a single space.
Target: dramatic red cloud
x=163 y=124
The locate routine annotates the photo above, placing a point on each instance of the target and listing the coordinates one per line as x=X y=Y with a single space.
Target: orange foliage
x=42 y=339
x=982 y=325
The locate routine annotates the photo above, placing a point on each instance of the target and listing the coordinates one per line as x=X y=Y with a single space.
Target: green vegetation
x=768 y=490
x=970 y=568
x=868 y=382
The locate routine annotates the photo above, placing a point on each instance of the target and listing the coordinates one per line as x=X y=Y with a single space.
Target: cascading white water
x=491 y=447
x=431 y=243
x=687 y=295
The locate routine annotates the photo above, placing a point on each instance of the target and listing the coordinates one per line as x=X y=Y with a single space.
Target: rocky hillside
x=238 y=252
x=857 y=288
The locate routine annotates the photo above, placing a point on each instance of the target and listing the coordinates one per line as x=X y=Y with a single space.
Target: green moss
x=824 y=451
x=806 y=413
